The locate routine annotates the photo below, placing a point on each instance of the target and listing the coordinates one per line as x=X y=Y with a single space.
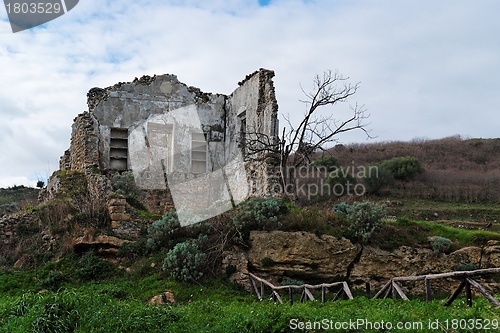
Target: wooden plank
x=323 y=294
x=459 y=274
x=368 y=289
x=347 y=291
x=277 y=296
x=455 y=294
x=302 y=296
x=290 y=294
x=399 y=290
x=388 y=291
x=483 y=291
x=308 y=293
x=387 y=285
x=255 y=288
x=338 y=294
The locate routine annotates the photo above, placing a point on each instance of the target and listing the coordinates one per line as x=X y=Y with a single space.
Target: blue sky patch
x=264 y=2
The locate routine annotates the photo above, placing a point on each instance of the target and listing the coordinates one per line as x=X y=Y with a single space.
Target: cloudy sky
x=428 y=69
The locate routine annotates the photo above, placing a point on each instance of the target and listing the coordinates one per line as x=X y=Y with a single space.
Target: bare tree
x=321 y=125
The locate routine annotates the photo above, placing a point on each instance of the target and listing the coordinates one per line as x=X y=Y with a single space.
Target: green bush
x=328 y=162
x=292 y=282
x=133 y=250
x=91 y=267
x=185 y=262
x=256 y=214
x=125 y=185
x=164 y=232
x=403 y=167
x=440 y=244
x=360 y=220
x=375 y=181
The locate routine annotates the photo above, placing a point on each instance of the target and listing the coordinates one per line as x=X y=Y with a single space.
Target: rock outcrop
x=301 y=255
x=104 y=244
x=279 y=255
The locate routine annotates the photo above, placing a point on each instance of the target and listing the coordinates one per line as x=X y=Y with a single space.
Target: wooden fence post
x=428 y=291
x=468 y=293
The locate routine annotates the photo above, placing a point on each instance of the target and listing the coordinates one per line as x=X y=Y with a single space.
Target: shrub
x=92 y=267
x=374 y=182
x=440 y=244
x=133 y=250
x=185 y=261
x=256 y=214
x=360 y=220
x=328 y=162
x=403 y=167
x=163 y=233
x=124 y=184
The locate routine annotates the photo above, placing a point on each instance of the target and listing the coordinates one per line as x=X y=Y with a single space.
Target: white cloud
x=427 y=68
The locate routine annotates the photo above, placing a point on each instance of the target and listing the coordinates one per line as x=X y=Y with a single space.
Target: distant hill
x=15 y=198
x=456 y=169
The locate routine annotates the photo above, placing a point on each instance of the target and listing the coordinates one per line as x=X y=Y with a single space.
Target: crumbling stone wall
x=83 y=154
x=153 y=119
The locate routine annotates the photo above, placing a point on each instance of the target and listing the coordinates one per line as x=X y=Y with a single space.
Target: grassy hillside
x=454 y=169
x=15 y=198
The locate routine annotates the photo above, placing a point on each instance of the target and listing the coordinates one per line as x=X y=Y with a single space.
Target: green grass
x=93 y=308
x=118 y=304
x=415 y=234
x=433 y=210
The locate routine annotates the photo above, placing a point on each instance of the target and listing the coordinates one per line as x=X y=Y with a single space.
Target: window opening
x=118 y=149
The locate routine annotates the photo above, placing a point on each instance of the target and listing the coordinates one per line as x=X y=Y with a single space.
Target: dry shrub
x=313 y=220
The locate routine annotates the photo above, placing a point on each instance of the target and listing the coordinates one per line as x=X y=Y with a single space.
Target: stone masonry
x=175 y=139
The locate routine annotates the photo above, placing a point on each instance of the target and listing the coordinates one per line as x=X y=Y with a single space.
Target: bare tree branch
x=297 y=144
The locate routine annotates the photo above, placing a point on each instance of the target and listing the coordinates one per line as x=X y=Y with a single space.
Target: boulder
x=166 y=297
x=301 y=255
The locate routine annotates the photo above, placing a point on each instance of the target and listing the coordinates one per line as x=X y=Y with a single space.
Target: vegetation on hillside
x=456 y=169
x=15 y=198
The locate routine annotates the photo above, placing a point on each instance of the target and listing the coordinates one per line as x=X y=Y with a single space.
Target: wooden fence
x=392 y=287
x=259 y=286
x=467 y=281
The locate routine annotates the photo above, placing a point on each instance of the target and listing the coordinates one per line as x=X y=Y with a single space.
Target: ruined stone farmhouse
x=184 y=147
